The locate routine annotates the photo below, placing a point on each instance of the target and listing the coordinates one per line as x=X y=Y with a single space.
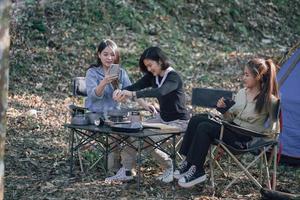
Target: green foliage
x=91 y=156
x=122 y=13
x=61 y=37
x=39 y=25
x=208 y=41
x=92 y=159
x=130 y=60
x=241 y=28
x=281 y=2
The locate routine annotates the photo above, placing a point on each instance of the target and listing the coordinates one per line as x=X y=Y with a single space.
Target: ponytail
x=265 y=71
x=273 y=86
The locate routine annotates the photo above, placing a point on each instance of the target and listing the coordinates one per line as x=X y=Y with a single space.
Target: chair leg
x=229 y=167
x=261 y=163
x=71 y=147
x=267 y=170
x=211 y=169
x=79 y=155
x=106 y=153
x=245 y=170
x=216 y=158
x=177 y=146
x=178 y=143
x=96 y=162
x=219 y=166
x=274 y=177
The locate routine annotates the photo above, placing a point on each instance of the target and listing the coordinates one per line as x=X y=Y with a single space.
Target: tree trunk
x=4 y=66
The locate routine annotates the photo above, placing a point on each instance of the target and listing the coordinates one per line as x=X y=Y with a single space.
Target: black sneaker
x=181 y=170
x=192 y=177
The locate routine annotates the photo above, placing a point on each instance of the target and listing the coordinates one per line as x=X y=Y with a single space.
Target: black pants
x=200 y=134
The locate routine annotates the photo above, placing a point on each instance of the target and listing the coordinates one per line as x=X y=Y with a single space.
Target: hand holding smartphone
x=229 y=103
x=114 y=70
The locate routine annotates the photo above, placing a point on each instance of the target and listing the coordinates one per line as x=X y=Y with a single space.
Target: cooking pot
x=80 y=119
x=93 y=116
x=117 y=115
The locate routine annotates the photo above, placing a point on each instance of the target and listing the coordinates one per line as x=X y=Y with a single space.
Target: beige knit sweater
x=243 y=114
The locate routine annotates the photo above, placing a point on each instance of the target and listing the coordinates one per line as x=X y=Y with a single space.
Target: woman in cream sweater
x=253 y=107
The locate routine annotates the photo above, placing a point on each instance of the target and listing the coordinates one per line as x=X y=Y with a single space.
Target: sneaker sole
x=165 y=180
x=192 y=183
x=120 y=180
x=178 y=176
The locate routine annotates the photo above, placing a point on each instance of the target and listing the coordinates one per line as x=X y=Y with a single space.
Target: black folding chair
x=258 y=147
x=80 y=141
x=78 y=90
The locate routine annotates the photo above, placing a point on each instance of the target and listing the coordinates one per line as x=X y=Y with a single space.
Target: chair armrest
x=215 y=118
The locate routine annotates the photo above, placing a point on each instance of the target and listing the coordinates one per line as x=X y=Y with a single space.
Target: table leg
x=173 y=156
x=139 y=160
x=174 y=151
x=72 y=152
x=106 y=153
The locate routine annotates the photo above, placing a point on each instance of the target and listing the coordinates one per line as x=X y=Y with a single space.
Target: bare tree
x=4 y=67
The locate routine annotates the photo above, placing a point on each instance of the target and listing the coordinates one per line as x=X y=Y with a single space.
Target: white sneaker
x=167 y=175
x=122 y=175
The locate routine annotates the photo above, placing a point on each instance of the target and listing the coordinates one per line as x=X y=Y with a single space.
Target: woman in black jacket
x=160 y=81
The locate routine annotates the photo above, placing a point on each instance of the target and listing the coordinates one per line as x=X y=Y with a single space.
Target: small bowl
x=92 y=117
x=117 y=113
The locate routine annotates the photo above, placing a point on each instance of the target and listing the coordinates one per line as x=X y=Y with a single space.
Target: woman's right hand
x=106 y=80
x=221 y=103
x=151 y=109
x=109 y=78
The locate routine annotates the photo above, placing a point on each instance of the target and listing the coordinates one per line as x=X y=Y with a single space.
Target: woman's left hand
x=121 y=95
x=116 y=94
x=126 y=93
x=221 y=103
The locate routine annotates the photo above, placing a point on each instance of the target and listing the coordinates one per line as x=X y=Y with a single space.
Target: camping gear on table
x=117 y=115
x=80 y=119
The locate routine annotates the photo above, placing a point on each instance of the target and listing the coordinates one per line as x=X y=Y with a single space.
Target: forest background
x=53 y=41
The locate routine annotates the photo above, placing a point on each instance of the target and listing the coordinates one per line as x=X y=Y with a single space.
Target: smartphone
x=229 y=103
x=114 y=70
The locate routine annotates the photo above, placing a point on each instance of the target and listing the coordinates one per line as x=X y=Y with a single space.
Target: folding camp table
x=102 y=134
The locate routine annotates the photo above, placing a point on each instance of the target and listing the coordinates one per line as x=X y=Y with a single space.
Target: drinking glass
x=117 y=85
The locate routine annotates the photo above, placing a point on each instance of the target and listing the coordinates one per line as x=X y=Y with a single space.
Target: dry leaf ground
x=53 y=41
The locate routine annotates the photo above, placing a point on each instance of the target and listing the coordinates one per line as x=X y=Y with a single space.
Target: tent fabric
x=290 y=107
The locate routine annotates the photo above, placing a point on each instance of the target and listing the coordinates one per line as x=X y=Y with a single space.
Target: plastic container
x=135 y=119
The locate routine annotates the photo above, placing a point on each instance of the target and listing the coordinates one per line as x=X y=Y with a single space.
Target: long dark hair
x=265 y=72
x=108 y=43
x=156 y=54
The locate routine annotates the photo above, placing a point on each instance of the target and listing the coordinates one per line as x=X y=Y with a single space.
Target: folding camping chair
x=83 y=141
x=78 y=90
x=259 y=147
